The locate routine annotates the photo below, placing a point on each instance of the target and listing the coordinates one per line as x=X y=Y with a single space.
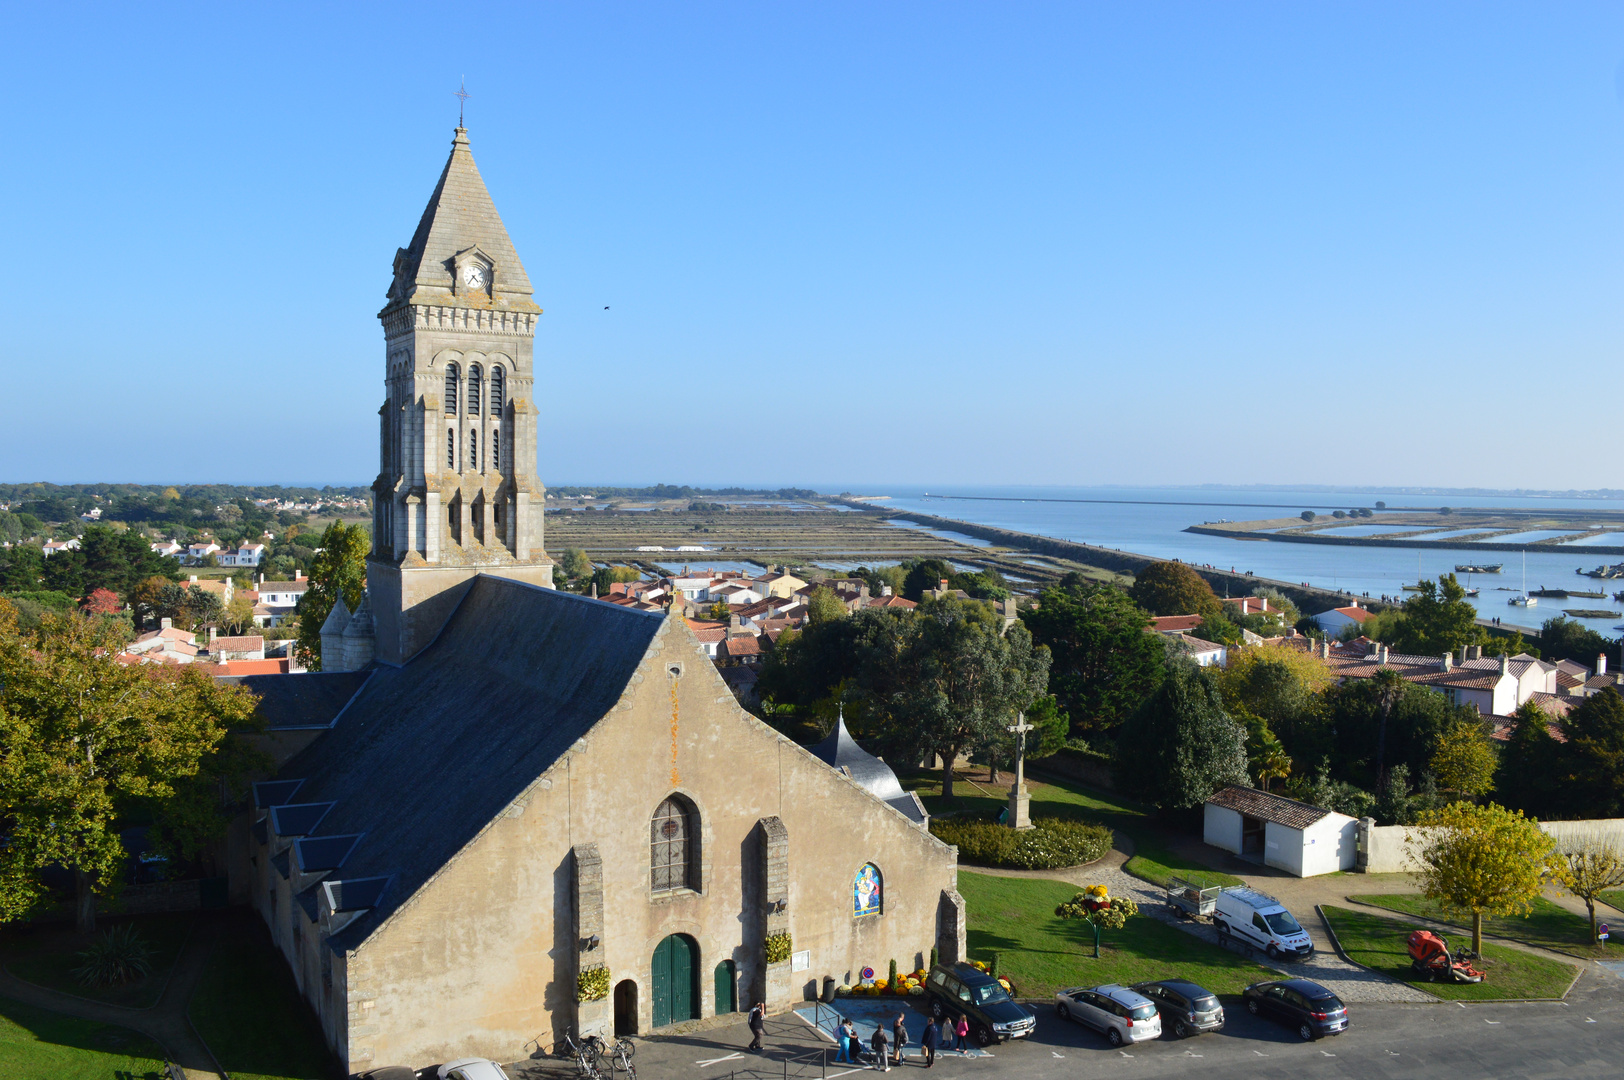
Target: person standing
x=899 y=1036
x=961 y=1033
x=843 y=1037
x=932 y=1036
x=758 y=1025
x=881 y=1060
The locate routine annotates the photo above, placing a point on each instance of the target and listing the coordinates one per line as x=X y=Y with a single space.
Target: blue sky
x=843 y=245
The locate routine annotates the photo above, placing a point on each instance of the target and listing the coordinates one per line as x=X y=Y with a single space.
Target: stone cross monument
x=1020 y=816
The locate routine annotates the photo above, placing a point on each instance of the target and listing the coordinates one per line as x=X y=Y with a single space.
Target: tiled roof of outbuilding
x=1261 y=804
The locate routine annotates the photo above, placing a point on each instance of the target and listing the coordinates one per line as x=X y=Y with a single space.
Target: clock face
x=473 y=275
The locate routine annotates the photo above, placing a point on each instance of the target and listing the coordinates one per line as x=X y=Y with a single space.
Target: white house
x=198 y=552
x=279 y=598
x=1204 y=653
x=1283 y=833
x=54 y=546
x=1333 y=622
x=168 y=548
x=243 y=555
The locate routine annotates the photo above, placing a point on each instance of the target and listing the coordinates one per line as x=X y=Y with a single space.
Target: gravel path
x=1349 y=981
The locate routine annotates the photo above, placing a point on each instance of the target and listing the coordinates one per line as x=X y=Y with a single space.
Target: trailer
x=1191 y=901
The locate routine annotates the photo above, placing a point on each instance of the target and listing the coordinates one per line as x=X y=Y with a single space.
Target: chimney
x=1601 y=663
x=942 y=585
x=194 y=577
x=1383 y=654
x=735 y=622
x=298 y=575
x=1477 y=652
x=885 y=590
x=1325 y=649
x=592 y=593
x=165 y=624
x=1505 y=664
x=212 y=633
x=1447 y=663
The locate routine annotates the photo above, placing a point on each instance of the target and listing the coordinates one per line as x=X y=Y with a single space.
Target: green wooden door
x=726 y=1001
x=674 y=986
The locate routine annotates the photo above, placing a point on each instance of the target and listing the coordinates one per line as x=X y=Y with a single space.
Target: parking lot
x=1580 y=1037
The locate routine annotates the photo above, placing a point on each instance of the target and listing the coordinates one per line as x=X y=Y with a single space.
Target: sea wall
x=1385 y=542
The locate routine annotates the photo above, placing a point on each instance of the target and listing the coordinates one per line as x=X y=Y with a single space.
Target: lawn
x=1613 y=899
x=46 y=956
x=1039 y=953
x=1153 y=858
x=1550 y=926
x=35 y=1043
x=249 y=1012
x=1378 y=942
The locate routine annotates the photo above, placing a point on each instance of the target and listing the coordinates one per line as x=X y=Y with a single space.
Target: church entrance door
x=626 y=1008
x=675 y=983
x=727 y=1000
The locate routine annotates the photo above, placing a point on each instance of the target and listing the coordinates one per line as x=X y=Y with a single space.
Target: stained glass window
x=867 y=891
x=672 y=842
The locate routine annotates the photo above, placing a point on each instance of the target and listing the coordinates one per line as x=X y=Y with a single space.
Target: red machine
x=1430 y=956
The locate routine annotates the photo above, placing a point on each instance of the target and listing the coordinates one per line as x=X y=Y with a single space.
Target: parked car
x=472 y=1069
x=1185 y=1008
x=994 y=1016
x=1307 y=1006
x=1120 y=1014
x=1260 y=921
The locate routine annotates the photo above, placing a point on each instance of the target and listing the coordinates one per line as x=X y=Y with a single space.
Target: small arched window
x=496 y=450
x=673 y=847
x=473 y=389
x=473 y=451
x=497 y=389
x=450 y=448
x=451 y=389
x=867 y=891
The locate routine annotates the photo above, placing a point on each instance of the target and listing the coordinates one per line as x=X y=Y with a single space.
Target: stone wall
x=1383 y=849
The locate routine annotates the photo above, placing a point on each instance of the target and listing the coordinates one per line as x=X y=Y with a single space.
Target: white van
x=1259 y=920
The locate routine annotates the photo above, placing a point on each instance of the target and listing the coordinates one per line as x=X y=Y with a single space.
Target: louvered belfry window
x=473 y=389
x=496 y=450
x=473 y=451
x=672 y=830
x=497 y=379
x=451 y=389
x=450 y=448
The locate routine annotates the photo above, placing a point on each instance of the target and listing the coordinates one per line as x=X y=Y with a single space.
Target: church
x=502 y=812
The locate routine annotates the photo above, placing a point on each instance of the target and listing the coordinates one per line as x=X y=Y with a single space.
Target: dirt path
x=164 y=1023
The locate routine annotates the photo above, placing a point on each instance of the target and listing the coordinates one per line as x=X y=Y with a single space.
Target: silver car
x=1118 y=1013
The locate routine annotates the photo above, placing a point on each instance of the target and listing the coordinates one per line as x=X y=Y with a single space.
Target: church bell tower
x=456 y=493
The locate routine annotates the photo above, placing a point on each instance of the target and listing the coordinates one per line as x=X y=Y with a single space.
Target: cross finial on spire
x=462 y=96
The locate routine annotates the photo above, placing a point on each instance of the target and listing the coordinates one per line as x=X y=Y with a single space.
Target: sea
x=1151 y=521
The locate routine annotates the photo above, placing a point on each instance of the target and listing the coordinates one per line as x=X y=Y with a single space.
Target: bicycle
x=587 y=1054
x=621 y=1058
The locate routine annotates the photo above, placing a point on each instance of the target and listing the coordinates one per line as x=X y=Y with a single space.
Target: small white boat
x=1524 y=600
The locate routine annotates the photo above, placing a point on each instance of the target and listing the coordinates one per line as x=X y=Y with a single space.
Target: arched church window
x=473 y=389
x=497 y=388
x=473 y=451
x=867 y=891
x=451 y=389
x=673 y=828
x=496 y=450
x=450 y=448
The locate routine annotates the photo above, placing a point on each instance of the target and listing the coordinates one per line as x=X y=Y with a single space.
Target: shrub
x=118 y=956
x=592 y=984
x=779 y=947
x=1055 y=842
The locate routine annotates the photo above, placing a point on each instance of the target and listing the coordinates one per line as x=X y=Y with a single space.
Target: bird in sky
x=606 y=307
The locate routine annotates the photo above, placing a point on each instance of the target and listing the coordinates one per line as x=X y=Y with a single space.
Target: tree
x=201 y=607
x=1562 y=638
x=924 y=575
x=1308 y=515
x=719 y=612
x=1052 y=726
x=83 y=736
x=1486 y=860
x=1104 y=662
x=1590 y=865
x=1280 y=689
x=119 y=560
x=1527 y=773
x=339 y=569
x=606 y=577
x=1218 y=629
x=1378 y=722
x=822 y=606
x=1591 y=762
x=1437 y=619
x=1182 y=745
x=238 y=616
x=145 y=599
x=22 y=568
x=1171 y=588
x=574 y=563
x=962 y=679
x=1464 y=761
x=101 y=602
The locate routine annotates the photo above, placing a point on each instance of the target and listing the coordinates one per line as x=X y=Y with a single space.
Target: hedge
x=1055 y=842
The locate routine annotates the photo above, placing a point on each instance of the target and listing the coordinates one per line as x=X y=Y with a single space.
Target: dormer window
x=471 y=272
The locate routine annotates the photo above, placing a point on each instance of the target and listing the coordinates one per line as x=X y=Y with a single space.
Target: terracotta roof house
x=1336 y=620
x=1174 y=624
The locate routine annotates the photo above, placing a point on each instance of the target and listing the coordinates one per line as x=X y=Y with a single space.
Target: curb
x=1336 y=943
x=1460 y=928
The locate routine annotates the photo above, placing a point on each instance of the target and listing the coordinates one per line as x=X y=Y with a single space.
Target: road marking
x=847 y=1072
x=1486 y=1020
x=1124 y=1053
x=1390 y=1053
x=1327 y=1053
x=713 y=1061
x=1063 y=1055
x=1189 y=1053
x=1462 y=1004
x=1260 y=1053
x=1589 y=1021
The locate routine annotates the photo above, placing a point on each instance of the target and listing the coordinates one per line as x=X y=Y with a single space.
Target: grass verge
x=1014 y=918
x=249 y=1012
x=36 y=1043
x=46 y=956
x=1550 y=926
x=1613 y=898
x=1378 y=942
x=1154 y=858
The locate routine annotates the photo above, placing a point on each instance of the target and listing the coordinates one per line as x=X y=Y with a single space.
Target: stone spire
x=461 y=223
x=332 y=636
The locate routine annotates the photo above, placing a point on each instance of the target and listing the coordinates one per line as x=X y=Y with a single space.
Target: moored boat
x=1479 y=568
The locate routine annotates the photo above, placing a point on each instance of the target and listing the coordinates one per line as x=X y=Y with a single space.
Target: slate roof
x=841 y=751
x=1261 y=804
x=515 y=677
x=460 y=215
x=302 y=700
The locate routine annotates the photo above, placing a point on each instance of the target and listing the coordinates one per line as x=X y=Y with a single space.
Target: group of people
x=888 y=1048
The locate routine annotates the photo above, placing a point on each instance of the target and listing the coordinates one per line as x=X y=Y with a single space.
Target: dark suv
x=1307 y=1006
x=965 y=989
x=1185 y=1007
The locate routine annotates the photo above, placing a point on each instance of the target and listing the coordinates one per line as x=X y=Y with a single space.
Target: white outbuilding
x=1283 y=833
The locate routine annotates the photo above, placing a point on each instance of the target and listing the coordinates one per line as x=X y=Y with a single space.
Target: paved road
x=1576 y=1040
